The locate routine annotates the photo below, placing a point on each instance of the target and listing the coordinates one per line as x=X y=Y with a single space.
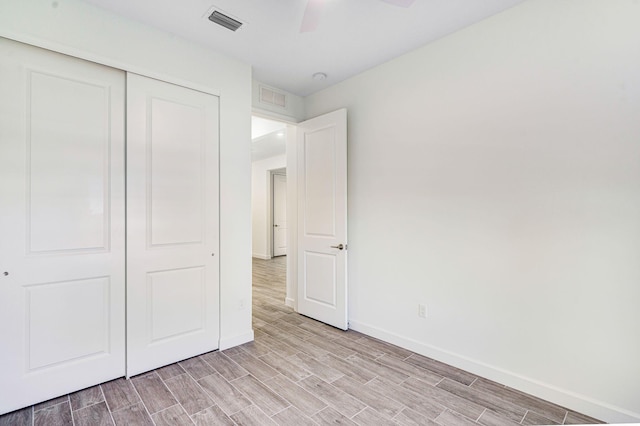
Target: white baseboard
x=574 y=401
x=260 y=256
x=230 y=342
x=290 y=302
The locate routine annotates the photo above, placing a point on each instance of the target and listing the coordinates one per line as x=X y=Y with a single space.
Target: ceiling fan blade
x=401 y=3
x=311 y=16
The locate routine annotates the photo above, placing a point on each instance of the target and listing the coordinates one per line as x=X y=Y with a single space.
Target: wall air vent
x=224 y=20
x=271 y=97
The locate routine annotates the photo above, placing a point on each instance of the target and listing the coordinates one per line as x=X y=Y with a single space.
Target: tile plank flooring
x=298 y=372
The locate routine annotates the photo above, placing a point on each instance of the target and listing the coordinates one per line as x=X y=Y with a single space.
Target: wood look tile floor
x=299 y=372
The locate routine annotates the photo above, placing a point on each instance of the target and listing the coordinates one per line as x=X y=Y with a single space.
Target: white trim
x=230 y=342
x=271 y=115
x=103 y=60
x=581 y=403
x=290 y=302
x=260 y=256
x=292 y=216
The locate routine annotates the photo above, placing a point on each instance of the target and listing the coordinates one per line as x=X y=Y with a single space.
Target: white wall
x=84 y=31
x=261 y=203
x=495 y=176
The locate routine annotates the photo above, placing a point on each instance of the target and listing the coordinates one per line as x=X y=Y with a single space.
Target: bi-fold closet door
x=77 y=223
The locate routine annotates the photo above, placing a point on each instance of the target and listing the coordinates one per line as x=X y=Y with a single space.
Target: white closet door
x=62 y=230
x=172 y=223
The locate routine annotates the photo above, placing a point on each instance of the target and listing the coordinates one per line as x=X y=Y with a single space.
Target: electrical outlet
x=422 y=311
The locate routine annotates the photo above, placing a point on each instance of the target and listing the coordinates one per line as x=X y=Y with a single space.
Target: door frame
x=291 y=296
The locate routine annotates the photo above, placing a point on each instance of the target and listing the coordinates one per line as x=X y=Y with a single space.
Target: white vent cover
x=272 y=97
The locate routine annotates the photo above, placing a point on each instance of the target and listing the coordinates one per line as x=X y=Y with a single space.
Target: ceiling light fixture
x=319 y=76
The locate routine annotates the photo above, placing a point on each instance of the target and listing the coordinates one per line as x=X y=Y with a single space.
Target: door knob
x=339 y=246
x=275 y=226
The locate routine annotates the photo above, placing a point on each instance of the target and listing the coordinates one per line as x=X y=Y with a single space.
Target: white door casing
x=322 y=218
x=62 y=225
x=172 y=223
x=279 y=215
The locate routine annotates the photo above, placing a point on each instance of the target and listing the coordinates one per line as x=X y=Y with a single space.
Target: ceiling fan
x=314 y=10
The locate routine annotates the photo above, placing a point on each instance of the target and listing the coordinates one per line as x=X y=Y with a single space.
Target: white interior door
x=279 y=215
x=172 y=223
x=322 y=218
x=62 y=225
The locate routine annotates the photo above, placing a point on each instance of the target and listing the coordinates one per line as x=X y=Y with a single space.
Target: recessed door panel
x=320 y=182
x=172 y=223
x=67 y=146
x=176 y=149
x=61 y=225
x=177 y=301
x=320 y=278
x=55 y=335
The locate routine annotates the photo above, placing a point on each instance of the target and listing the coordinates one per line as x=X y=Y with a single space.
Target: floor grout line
x=365 y=407
x=73 y=421
x=141 y=400
x=36 y=411
x=174 y=395
x=106 y=403
x=481 y=414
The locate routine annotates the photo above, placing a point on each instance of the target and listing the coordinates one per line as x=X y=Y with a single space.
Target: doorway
x=268 y=158
x=314 y=155
x=268 y=206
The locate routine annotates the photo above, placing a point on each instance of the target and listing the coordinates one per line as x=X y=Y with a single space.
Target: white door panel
x=279 y=215
x=172 y=214
x=322 y=220
x=61 y=224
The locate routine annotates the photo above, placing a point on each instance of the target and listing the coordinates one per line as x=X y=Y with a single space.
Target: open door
x=279 y=228
x=322 y=218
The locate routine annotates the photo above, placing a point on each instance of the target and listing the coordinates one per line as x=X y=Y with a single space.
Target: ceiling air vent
x=271 y=97
x=224 y=20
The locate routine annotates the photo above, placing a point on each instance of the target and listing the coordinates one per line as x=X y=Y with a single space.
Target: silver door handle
x=339 y=247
